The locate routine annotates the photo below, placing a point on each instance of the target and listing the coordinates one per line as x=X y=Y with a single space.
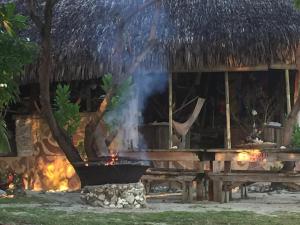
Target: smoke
x=130 y=113
x=145 y=82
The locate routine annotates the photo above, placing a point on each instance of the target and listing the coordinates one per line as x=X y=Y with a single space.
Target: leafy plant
x=10 y=21
x=296 y=137
x=4 y=143
x=297 y=3
x=107 y=81
x=112 y=115
x=67 y=113
x=15 y=53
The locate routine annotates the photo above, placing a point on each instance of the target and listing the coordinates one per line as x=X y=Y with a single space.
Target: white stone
x=137 y=206
x=101 y=197
x=130 y=199
x=106 y=202
x=115 y=195
x=2 y=193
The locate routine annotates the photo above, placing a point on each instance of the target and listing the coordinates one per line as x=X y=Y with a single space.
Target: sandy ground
x=262 y=203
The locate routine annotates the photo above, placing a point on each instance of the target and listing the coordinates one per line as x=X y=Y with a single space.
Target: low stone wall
x=115 y=195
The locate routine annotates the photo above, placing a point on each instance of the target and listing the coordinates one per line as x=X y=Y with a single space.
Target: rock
x=101 y=197
x=119 y=206
x=137 y=206
x=130 y=199
x=97 y=203
x=112 y=206
x=115 y=195
x=106 y=202
x=114 y=199
x=2 y=193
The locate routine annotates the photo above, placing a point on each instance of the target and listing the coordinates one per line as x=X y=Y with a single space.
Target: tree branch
x=150 y=45
x=138 y=9
x=33 y=15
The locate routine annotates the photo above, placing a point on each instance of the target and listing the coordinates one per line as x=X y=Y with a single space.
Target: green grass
x=13 y=214
x=46 y=216
x=24 y=200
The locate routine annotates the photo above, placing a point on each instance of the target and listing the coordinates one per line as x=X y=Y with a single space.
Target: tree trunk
x=63 y=140
x=95 y=133
x=291 y=122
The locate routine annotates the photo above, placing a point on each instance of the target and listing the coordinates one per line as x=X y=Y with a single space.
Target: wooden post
x=288 y=91
x=227 y=164
x=228 y=132
x=170 y=111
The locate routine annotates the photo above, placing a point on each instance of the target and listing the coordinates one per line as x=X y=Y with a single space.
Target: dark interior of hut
x=257 y=99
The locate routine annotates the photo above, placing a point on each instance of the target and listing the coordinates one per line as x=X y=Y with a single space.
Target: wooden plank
x=222 y=69
x=167 y=178
x=162 y=156
x=273 y=150
x=227 y=164
x=218 y=191
x=262 y=67
x=228 y=131
x=257 y=156
x=170 y=111
x=288 y=91
x=256 y=177
x=279 y=66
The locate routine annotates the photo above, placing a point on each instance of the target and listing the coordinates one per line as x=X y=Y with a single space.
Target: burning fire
x=252 y=156
x=56 y=175
x=113 y=160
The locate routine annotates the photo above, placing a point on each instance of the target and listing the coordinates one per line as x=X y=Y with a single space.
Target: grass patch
x=24 y=200
x=44 y=216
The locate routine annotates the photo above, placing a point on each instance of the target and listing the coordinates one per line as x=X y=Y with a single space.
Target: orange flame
x=57 y=175
x=113 y=160
x=252 y=156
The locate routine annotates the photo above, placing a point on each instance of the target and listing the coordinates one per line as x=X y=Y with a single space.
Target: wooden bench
x=185 y=177
x=222 y=181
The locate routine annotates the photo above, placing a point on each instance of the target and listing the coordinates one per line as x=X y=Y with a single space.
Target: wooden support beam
x=162 y=156
x=227 y=164
x=170 y=110
x=257 y=157
x=228 y=132
x=288 y=91
x=181 y=69
x=256 y=177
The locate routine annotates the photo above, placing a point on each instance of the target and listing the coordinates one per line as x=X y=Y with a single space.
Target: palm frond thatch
x=192 y=34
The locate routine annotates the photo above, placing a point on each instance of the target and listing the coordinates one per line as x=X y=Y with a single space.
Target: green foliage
x=14 y=54
x=9 y=20
x=297 y=3
x=107 y=81
x=296 y=137
x=4 y=143
x=67 y=113
x=113 y=116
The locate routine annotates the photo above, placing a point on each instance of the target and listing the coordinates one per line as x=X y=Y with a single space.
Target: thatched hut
x=193 y=36
x=198 y=42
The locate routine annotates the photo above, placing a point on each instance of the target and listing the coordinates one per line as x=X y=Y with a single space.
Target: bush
x=296 y=137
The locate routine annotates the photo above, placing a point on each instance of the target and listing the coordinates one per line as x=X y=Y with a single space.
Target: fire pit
x=111 y=170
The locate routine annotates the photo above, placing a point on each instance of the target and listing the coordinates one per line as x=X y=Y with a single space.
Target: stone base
x=115 y=195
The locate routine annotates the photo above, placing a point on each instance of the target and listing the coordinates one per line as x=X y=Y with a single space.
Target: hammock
x=183 y=128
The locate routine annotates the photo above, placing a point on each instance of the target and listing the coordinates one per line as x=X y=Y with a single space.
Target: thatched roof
x=192 y=34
